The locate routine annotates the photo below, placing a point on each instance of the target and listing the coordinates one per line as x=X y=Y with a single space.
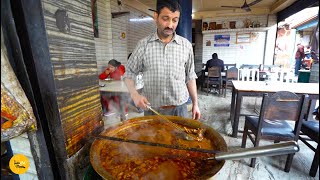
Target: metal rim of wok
x=211 y=134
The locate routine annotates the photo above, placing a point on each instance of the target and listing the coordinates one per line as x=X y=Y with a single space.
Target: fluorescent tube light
x=141 y=19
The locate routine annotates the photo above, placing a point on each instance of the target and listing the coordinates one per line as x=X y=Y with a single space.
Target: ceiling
x=202 y=9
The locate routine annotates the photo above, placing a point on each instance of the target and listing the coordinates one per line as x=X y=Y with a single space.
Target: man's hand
x=196 y=112
x=140 y=101
x=192 y=88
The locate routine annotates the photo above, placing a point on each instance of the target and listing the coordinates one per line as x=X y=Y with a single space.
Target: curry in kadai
x=132 y=161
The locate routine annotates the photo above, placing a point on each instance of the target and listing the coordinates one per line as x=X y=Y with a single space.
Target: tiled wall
x=260 y=49
x=110 y=44
x=104 y=50
x=198 y=45
x=138 y=30
x=119 y=25
x=134 y=31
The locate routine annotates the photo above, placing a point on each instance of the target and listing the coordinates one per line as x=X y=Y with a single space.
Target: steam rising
x=133 y=161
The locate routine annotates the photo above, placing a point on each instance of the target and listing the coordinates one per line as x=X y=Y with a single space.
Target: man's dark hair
x=173 y=5
x=214 y=56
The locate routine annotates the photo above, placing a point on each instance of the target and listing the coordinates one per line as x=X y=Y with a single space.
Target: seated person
x=114 y=71
x=215 y=61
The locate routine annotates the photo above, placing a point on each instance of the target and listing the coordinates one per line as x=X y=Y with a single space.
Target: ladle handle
x=270 y=150
x=187 y=136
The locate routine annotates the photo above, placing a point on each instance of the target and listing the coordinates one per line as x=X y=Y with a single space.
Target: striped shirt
x=166 y=69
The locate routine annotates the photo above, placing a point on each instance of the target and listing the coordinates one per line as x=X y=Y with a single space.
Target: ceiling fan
x=245 y=6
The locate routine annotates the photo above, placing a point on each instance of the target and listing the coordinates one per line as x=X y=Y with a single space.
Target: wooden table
x=118 y=88
x=258 y=88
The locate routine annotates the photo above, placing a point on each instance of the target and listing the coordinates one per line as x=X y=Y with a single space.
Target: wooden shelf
x=260 y=29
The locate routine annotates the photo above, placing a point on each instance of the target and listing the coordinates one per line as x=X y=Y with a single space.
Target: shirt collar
x=176 y=38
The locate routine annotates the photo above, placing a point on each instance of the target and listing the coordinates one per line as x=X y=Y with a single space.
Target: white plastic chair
x=290 y=77
x=248 y=74
x=278 y=75
x=282 y=75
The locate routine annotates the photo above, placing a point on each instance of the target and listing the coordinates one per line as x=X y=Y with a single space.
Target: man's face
x=167 y=21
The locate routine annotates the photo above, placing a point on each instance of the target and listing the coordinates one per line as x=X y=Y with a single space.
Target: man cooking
x=167 y=62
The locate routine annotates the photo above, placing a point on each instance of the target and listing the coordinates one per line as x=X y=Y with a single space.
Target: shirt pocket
x=179 y=71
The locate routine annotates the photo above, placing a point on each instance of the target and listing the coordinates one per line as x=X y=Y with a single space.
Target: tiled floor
x=215 y=113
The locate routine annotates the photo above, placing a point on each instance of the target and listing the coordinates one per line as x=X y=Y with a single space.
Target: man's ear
x=155 y=15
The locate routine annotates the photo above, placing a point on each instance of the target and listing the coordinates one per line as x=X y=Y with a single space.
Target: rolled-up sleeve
x=134 y=65
x=190 y=73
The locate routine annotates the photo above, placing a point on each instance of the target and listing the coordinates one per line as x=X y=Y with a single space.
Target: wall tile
x=245 y=53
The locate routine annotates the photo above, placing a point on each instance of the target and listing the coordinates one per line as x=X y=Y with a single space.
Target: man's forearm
x=131 y=87
x=192 y=88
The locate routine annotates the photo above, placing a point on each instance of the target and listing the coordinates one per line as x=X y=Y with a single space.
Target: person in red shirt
x=299 y=57
x=114 y=71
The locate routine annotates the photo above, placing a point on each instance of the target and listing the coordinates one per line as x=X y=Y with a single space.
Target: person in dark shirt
x=215 y=61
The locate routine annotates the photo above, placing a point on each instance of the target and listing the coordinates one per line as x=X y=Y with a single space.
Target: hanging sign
x=221 y=40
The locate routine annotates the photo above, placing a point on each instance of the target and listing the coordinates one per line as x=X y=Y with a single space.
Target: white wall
x=244 y=53
x=271 y=38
